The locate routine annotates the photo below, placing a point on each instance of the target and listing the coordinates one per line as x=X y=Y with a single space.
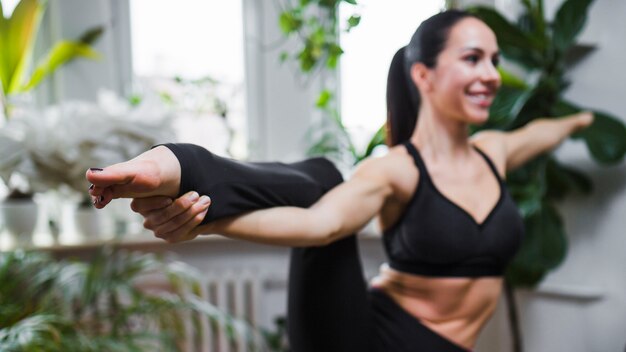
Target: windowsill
x=142 y=240
x=584 y=294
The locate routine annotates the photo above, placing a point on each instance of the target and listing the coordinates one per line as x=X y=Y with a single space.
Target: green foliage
x=48 y=305
x=546 y=51
x=315 y=24
x=17 y=38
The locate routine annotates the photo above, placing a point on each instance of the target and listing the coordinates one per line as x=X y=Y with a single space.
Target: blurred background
x=99 y=81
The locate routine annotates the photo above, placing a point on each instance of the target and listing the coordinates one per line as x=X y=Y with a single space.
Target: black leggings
x=330 y=308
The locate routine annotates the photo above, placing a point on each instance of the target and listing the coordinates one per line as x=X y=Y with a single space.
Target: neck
x=440 y=136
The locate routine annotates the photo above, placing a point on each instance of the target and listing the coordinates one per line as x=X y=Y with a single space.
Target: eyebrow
x=480 y=50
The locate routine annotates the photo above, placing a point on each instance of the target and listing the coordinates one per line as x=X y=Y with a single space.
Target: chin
x=477 y=118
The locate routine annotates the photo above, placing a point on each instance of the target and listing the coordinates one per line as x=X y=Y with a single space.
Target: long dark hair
x=403 y=98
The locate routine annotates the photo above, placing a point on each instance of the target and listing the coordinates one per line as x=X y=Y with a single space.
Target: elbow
x=327 y=239
x=328 y=233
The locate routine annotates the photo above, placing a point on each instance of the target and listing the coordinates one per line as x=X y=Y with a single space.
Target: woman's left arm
x=517 y=147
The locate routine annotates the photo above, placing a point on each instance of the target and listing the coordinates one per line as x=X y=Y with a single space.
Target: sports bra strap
x=489 y=162
x=416 y=157
x=422 y=167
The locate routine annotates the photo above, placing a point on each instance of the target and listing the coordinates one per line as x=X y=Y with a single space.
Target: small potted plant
x=50 y=149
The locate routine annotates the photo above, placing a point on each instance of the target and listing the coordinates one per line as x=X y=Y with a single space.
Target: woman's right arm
x=340 y=212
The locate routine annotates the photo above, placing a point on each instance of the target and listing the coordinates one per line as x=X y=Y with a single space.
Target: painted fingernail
x=94 y=169
x=91 y=187
x=204 y=200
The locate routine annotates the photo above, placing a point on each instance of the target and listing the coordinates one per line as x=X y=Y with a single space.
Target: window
x=8 y=6
x=191 y=52
x=385 y=27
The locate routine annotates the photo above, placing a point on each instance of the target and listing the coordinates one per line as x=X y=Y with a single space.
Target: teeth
x=481 y=99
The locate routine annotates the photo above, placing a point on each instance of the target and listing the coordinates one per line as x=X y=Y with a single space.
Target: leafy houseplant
x=315 y=23
x=18 y=33
x=104 y=305
x=17 y=38
x=545 y=50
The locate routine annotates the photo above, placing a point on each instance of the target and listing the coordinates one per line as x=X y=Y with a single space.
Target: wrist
x=169 y=170
x=583 y=120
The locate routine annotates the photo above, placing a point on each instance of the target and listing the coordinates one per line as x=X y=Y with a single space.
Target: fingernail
x=193 y=196
x=94 y=169
x=204 y=200
x=91 y=187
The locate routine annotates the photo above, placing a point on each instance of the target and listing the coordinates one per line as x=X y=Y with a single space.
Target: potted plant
x=17 y=38
x=106 y=304
x=51 y=148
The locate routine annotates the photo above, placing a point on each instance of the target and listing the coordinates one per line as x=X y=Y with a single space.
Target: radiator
x=238 y=294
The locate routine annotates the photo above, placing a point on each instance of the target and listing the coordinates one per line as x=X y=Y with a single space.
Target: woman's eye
x=472 y=58
x=495 y=61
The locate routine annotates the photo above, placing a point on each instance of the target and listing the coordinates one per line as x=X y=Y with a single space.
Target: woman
x=450 y=227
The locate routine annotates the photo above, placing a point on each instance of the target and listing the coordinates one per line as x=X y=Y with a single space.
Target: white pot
x=92 y=224
x=20 y=219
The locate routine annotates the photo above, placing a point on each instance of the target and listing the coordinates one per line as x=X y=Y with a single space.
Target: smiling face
x=464 y=81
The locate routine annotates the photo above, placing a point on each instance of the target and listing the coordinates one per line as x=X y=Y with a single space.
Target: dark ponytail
x=403 y=98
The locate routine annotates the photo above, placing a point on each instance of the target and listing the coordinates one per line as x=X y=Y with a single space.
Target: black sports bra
x=436 y=237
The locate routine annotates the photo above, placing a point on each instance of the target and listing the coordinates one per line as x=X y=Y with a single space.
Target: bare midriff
x=455 y=308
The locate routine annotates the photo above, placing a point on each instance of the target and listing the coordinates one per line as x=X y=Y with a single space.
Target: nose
x=490 y=74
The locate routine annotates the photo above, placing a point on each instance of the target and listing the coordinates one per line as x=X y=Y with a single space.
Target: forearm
x=339 y=213
x=237 y=187
x=541 y=136
x=284 y=226
x=552 y=132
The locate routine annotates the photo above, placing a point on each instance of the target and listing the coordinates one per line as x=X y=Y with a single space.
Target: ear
x=420 y=75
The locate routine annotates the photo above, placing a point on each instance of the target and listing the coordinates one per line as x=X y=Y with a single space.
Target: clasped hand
x=152 y=180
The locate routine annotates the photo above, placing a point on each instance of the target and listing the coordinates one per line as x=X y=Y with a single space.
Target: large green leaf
x=562 y=180
x=506 y=106
x=21 y=31
x=60 y=54
x=378 y=139
x=605 y=138
x=568 y=22
x=543 y=248
x=511 y=80
x=514 y=43
x=528 y=186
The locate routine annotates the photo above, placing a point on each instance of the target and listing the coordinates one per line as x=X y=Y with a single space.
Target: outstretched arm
x=539 y=136
x=239 y=187
x=340 y=212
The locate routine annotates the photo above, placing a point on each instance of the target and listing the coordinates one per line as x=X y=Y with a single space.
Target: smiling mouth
x=483 y=100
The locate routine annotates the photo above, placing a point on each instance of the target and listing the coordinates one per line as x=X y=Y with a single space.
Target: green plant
x=17 y=38
x=104 y=305
x=315 y=24
x=546 y=50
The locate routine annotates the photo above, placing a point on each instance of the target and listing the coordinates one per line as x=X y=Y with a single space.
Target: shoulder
x=492 y=143
x=395 y=170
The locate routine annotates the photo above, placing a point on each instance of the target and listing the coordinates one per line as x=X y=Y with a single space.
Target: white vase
x=94 y=225
x=20 y=220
